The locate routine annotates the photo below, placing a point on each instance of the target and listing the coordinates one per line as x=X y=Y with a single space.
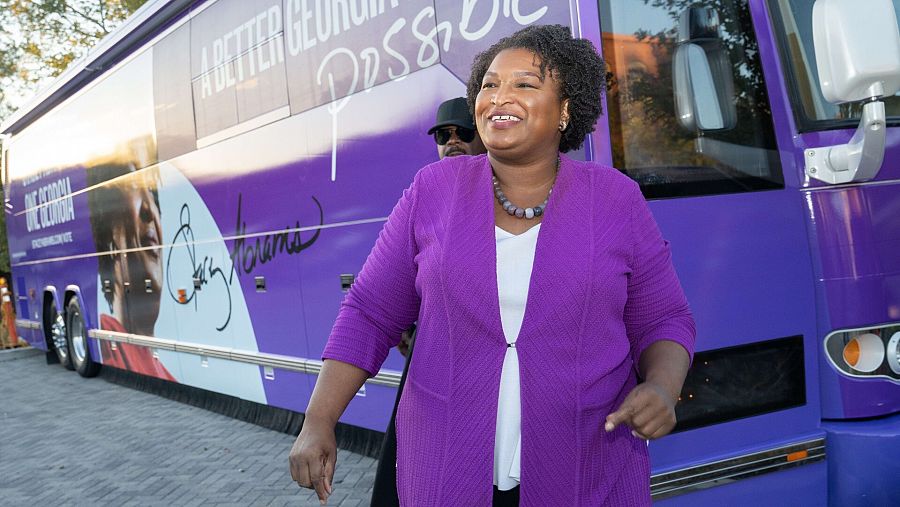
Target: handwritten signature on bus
x=248 y=253
x=205 y=269
x=245 y=256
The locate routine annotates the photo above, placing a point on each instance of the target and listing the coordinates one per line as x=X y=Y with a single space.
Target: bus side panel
x=744 y=267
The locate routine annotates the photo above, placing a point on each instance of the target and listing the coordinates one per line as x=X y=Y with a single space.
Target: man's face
x=454 y=142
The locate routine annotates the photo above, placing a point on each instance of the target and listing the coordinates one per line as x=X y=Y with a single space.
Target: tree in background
x=40 y=38
x=38 y=41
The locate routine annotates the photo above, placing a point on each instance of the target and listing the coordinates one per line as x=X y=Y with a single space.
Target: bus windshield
x=793 y=23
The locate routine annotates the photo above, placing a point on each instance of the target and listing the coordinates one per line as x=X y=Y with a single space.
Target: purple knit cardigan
x=602 y=290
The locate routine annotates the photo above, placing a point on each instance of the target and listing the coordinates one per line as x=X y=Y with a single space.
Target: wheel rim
x=58 y=330
x=79 y=344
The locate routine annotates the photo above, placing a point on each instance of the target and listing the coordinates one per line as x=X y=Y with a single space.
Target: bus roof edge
x=111 y=49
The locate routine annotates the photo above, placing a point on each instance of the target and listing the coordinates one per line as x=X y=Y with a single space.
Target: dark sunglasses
x=442 y=136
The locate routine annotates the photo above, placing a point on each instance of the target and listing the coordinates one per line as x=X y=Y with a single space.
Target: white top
x=515 y=258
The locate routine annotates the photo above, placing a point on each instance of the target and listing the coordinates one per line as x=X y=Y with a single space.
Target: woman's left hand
x=649 y=410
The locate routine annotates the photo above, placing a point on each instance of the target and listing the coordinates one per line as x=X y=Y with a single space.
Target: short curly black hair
x=574 y=62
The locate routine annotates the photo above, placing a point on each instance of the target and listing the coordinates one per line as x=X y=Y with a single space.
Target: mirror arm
x=858 y=160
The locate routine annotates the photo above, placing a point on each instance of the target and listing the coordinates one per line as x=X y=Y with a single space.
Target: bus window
x=793 y=24
x=174 y=111
x=667 y=156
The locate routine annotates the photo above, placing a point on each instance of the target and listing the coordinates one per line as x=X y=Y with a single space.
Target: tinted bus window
x=688 y=110
x=793 y=23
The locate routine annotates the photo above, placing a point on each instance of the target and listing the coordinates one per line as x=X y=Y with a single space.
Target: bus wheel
x=58 y=338
x=77 y=341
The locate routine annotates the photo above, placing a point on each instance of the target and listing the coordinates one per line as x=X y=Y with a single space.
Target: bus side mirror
x=703 y=79
x=858 y=56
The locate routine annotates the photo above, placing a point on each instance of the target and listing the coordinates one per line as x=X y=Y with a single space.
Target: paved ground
x=140 y=449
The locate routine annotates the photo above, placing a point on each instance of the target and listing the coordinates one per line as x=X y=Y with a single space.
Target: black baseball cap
x=453 y=112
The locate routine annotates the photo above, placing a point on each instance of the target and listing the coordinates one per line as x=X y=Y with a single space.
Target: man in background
x=454 y=131
x=455 y=134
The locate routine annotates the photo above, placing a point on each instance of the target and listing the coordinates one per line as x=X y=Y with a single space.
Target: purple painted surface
x=863 y=466
x=58 y=277
x=597 y=145
x=858 y=239
x=856 y=234
x=779 y=101
x=868 y=398
x=58 y=229
x=55 y=230
x=742 y=288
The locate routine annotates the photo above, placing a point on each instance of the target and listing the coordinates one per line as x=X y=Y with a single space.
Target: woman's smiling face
x=518 y=110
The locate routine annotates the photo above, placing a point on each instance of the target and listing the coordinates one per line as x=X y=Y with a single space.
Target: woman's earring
x=562 y=126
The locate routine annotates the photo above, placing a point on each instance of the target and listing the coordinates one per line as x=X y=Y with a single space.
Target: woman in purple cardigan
x=553 y=334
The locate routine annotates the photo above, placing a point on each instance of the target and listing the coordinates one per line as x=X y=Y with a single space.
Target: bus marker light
x=797 y=456
x=851 y=353
x=864 y=352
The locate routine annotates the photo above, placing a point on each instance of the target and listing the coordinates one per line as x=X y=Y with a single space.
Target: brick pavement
x=65 y=440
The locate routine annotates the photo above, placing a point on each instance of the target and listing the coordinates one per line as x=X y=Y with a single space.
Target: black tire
x=76 y=336
x=56 y=330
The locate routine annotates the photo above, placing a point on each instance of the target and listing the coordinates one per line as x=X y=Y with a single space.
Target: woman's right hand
x=313 y=458
x=314 y=452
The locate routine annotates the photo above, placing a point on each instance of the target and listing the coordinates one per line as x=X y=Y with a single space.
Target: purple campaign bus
x=191 y=201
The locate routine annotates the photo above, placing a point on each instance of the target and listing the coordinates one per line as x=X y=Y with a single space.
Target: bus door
x=690 y=119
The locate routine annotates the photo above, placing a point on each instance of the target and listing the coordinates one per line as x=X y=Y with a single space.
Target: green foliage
x=39 y=39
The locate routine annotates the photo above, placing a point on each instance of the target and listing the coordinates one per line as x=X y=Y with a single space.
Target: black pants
x=506 y=498
x=384 y=494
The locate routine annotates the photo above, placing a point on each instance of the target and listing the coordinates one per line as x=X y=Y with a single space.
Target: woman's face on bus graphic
x=139 y=231
x=518 y=109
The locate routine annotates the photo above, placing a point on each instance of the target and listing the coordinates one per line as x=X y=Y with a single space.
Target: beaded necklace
x=516 y=211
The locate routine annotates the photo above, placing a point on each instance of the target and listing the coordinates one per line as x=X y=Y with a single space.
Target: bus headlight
x=864 y=352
